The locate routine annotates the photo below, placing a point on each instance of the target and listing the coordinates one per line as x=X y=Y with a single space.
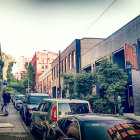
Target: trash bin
x=121 y=111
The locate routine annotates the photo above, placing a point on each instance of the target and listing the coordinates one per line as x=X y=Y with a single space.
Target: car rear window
x=37 y=99
x=72 y=108
x=20 y=97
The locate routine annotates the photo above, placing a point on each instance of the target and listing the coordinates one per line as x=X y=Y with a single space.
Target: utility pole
x=59 y=90
x=28 y=77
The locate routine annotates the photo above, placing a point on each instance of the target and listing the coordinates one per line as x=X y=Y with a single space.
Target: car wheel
x=44 y=137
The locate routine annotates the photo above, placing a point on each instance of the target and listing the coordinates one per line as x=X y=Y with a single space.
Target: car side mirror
x=24 y=102
x=35 y=109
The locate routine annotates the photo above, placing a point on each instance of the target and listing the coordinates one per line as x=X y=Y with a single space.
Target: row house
x=70 y=62
x=45 y=80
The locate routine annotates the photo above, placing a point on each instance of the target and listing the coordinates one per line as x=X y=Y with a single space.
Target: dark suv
x=31 y=101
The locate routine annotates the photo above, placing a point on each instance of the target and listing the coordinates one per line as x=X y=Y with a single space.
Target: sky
x=28 y=26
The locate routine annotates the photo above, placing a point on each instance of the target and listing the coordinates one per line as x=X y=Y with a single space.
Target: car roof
x=66 y=100
x=37 y=94
x=94 y=117
x=21 y=95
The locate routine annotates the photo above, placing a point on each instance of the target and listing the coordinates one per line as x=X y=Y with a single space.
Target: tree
x=78 y=86
x=30 y=75
x=68 y=80
x=84 y=84
x=110 y=79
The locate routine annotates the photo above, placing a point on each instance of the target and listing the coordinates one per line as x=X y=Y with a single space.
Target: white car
x=18 y=101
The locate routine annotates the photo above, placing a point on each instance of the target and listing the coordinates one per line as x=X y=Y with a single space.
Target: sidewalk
x=131 y=115
x=18 y=131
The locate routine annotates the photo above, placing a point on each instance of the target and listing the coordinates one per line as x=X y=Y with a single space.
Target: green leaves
x=79 y=85
x=110 y=79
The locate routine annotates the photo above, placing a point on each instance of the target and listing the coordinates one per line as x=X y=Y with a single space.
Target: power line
x=99 y=16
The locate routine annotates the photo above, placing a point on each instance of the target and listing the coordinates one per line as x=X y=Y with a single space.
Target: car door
x=43 y=115
x=25 y=106
x=37 y=115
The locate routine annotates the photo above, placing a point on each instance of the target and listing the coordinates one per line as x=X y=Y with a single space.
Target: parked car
x=51 y=110
x=13 y=96
x=89 y=127
x=18 y=101
x=31 y=101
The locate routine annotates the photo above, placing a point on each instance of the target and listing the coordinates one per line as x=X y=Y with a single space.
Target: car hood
x=31 y=106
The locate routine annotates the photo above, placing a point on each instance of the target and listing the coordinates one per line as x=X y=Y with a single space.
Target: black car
x=30 y=102
x=89 y=127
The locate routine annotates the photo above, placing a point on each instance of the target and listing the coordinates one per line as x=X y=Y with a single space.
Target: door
x=43 y=115
x=37 y=115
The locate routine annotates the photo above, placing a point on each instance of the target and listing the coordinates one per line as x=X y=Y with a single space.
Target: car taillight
x=30 y=111
x=54 y=114
x=91 y=110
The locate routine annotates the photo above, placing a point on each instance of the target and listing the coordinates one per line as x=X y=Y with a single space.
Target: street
x=20 y=130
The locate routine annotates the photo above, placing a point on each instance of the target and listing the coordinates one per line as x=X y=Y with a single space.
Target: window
x=57 y=69
x=45 y=61
x=73 y=131
x=61 y=124
x=42 y=66
x=54 y=72
x=65 y=64
x=46 y=107
x=40 y=108
x=73 y=59
x=69 y=61
x=41 y=60
x=62 y=65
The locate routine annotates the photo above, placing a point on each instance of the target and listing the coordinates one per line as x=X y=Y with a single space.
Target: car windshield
x=37 y=99
x=20 y=97
x=111 y=129
x=72 y=108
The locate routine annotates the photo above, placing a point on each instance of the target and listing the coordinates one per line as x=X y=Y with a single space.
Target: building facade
x=45 y=82
x=22 y=71
x=124 y=48
x=70 y=62
x=41 y=62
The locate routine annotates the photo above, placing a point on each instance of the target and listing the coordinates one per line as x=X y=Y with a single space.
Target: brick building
x=70 y=62
x=41 y=62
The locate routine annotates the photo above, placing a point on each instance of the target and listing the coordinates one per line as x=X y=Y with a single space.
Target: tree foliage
x=30 y=76
x=20 y=85
x=110 y=79
x=78 y=86
x=69 y=83
x=84 y=84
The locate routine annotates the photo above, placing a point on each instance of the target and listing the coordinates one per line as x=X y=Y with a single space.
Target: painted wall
x=127 y=34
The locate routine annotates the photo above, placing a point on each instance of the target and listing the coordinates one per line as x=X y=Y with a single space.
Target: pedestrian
x=6 y=100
